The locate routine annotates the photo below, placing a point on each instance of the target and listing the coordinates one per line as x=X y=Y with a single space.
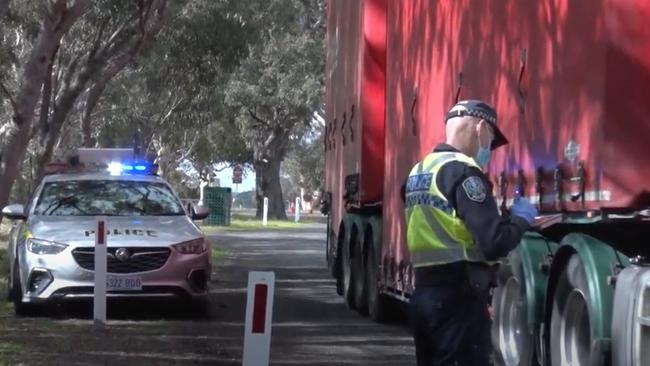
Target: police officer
x=454 y=235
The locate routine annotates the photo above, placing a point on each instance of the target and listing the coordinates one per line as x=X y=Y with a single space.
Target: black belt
x=443 y=274
x=456 y=273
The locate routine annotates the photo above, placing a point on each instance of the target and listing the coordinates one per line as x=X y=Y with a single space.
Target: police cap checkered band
x=473 y=108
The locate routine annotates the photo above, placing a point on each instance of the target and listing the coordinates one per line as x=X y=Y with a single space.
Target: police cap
x=482 y=110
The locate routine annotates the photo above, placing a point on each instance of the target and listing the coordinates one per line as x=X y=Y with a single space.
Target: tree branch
x=257 y=118
x=188 y=151
x=8 y=95
x=98 y=40
x=46 y=97
x=113 y=67
x=230 y=165
x=145 y=10
x=171 y=106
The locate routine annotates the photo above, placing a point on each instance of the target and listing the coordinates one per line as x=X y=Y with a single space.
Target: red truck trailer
x=570 y=80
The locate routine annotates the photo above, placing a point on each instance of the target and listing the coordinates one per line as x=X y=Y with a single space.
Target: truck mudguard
x=534 y=252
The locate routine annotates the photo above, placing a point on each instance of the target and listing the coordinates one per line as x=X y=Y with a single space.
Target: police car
x=153 y=247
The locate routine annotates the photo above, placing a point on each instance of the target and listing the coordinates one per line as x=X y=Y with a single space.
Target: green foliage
x=251 y=224
x=277 y=88
x=244 y=200
x=172 y=97
x=5 y=228
x=234 y=81
x=305 y=164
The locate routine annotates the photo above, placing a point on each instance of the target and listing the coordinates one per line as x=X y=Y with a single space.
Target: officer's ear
x=484 y=132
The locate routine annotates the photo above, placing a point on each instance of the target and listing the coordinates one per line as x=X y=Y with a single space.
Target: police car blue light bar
x=117 y=168
x=117 y=161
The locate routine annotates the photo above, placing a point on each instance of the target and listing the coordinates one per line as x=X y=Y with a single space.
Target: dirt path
x=310 y=323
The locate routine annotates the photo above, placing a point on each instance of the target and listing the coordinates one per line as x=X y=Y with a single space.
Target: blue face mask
x=482 y=157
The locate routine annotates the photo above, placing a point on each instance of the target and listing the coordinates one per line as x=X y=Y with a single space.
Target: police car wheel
x=20 y=308
x=569 y=341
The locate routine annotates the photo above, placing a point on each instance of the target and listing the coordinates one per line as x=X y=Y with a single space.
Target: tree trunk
x=267 y=180
x=17 y=141
x=58 y=21
x=62 y=109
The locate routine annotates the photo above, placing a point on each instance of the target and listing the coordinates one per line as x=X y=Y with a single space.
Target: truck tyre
x=346 y=272
x=570 y=340
x=359 y=279
x=378 y=303
x=337 y=265
x=511 y=336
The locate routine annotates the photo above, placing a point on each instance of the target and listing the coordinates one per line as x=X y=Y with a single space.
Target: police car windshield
x=107 y=197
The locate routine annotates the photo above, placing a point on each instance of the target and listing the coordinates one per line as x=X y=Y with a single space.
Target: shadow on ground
x=311 y=325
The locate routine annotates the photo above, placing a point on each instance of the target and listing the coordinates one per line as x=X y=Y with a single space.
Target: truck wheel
x=513 y=341
x=377 y=302
x=346 y=273
x=337 y=262
x=359 y=279
x=570 y=330
x=511 y=337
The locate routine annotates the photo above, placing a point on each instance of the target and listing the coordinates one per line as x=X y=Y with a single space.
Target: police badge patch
x=474 y=189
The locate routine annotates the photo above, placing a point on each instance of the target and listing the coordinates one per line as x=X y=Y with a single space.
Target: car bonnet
x=126 y=231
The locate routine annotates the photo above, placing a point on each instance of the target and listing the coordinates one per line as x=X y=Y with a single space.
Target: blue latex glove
x=524 y=209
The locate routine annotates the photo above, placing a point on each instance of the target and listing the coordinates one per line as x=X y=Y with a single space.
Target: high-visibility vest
x=435 y=234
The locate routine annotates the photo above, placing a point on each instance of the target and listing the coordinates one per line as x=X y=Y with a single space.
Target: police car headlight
x=39 y=246
x=196 y=246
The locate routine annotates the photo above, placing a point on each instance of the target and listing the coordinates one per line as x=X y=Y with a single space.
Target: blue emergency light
x=138 y=167
x=116 y=168
x=118 y=161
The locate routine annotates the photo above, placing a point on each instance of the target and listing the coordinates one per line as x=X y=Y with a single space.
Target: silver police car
x=153 y=247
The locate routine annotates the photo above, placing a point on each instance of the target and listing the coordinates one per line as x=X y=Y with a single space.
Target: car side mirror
x=14 y=212
x=200 y=212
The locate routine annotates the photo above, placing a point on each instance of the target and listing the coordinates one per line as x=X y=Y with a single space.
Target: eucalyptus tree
x=277 y=88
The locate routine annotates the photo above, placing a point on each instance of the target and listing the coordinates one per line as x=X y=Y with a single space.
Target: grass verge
x=217 y=254
x=5 y=227
x=6 y=307
x=252 y=225
x=10 y=349
x=303 y=218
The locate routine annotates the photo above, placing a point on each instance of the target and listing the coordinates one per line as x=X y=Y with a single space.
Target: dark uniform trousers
x=449 y=319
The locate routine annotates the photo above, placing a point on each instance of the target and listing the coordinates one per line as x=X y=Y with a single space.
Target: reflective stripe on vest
x=435 y=235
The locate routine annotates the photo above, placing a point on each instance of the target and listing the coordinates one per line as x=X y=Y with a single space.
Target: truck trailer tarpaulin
x=571 y=84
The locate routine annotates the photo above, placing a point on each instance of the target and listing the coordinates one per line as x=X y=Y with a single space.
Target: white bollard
x=99 y=295
x=297 y=218
x=266 y=211
x=259 y=311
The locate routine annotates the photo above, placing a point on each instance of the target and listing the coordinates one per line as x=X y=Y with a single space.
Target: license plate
x=123 y=283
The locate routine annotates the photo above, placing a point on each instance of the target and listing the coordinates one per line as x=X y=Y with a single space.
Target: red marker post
x=99 y=295
x=259 y=311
